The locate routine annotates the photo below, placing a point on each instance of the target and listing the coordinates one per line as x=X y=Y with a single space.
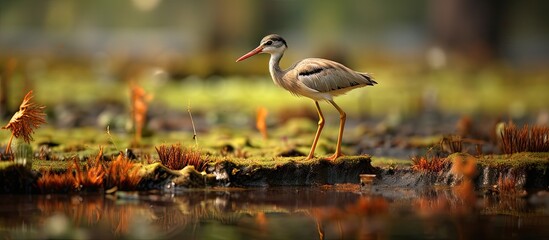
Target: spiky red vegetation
x=428 y=163
x=24 y=121
x=175 y=157
x=51 y=182
x=525 y=139
x=92 y=175
x=122 y=174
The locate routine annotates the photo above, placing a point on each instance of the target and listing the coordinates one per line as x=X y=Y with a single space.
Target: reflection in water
x=328 y=212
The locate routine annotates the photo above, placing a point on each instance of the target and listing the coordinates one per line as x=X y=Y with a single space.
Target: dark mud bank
x=294 y=173
x=486 y=177
x=535 y=176
x=19 y=179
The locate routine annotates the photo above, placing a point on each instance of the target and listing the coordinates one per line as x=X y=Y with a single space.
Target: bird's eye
x=269 y=43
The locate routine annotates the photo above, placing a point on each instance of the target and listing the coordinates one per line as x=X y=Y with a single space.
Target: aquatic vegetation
x=175 y=157
x=525 y=139
x=24 y=121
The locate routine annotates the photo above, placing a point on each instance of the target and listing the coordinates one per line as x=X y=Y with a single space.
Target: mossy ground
x=243 y=147
x=226 y=106
x=246 y=147
x=539 y=160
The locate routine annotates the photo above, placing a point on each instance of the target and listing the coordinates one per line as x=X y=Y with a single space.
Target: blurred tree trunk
x=471 y=29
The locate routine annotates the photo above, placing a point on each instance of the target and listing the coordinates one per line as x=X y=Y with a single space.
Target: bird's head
x=272 y=44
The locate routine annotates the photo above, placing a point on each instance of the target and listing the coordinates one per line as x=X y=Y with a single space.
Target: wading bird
x=315 y=78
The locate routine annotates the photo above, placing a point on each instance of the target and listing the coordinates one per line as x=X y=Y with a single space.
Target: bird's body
x=315 y=78
x=320 y=79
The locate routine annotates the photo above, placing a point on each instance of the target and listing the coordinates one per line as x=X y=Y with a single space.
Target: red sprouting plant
x=122 y=173
x=92 y=176
x=24 y=121
x=525 y=139
x=428 y=163
x=175 y=157
x=51 y=182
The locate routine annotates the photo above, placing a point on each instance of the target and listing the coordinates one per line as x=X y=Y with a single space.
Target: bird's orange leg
x=342 y=118
x=317 y=135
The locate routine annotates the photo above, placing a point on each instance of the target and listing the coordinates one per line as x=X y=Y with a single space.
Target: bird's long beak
x=251 y=53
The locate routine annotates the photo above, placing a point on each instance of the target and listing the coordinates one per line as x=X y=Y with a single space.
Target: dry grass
x=525 y=139
x=175 y=157
x=24 y=121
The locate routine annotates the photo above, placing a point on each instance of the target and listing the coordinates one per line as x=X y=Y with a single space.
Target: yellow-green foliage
x=516 y=160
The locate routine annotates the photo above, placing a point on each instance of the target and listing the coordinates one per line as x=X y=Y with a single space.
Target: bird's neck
x=274 y=68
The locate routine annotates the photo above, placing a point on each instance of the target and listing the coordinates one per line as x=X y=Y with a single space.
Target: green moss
x=272 y=162
x=385 y=162
x=539 y=160
x=56 y=166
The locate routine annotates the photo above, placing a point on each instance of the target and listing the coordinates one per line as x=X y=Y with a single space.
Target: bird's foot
x=335 y=156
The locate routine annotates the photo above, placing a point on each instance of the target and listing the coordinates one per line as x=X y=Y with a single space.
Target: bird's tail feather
x=368 y=78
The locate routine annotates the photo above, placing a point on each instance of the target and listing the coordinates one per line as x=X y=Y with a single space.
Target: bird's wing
x=328 y=76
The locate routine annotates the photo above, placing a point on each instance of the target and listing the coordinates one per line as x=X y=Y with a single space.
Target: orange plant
x=24 y=121
x=139 y=103
x=260 y=122
x=428 y=163
x=525 y=139
x=92 y=176
x=51 y=182
x=122 y=174
x=175 y=157
x=465 y=165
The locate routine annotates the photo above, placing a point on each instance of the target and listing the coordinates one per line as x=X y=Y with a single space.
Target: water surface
x=324 y=212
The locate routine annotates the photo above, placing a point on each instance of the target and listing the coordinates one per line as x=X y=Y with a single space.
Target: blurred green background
x=455 y=56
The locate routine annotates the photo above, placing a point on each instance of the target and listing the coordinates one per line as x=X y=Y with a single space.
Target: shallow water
x=324 y=212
